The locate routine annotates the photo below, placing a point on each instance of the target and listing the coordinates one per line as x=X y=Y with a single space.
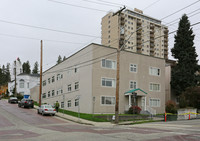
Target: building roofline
x=101 y=46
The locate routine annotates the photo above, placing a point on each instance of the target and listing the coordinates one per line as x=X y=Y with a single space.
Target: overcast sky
x=19 y=38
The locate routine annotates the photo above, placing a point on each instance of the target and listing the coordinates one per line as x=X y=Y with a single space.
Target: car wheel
x=38 y=112
x=53 y=114
x=42 y=113
x=19 y=105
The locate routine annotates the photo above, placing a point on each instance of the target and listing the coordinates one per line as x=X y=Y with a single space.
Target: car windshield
x=48 y=106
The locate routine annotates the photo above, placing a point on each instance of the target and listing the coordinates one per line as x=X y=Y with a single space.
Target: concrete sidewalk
x=81 y=121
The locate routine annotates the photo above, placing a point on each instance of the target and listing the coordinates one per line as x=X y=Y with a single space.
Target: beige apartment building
x=135 y=32
x=86 y=81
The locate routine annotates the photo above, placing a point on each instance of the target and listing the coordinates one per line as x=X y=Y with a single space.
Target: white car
x=46 y=110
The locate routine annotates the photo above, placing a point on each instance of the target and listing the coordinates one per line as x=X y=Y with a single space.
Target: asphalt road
x=19 y=124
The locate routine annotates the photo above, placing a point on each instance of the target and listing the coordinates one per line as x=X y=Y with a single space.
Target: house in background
x=24 y=83
x=34 y=93
x=87 y=80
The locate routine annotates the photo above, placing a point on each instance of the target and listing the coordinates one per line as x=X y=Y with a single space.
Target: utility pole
x=15 y=69
x=118 y=69
x=40 y=94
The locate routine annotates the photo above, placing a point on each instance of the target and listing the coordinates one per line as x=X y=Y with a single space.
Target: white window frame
x=53 y=92
x=76 y=102
x=105 y=104
x=134 y=67
x=76 y=85
x=112 y=61
x=53 y=79
x=62 y=105
x=21 y=83
x=151 y=88
x=152 y=71
x=59 y=91
x=44 y=95
x=107 y=79
x=59 y=76
x=69 y=87
x=156 y=104
x=49 y=93
x=49 y=80
x=69 y=103
x=44 y=83
x=132 y=81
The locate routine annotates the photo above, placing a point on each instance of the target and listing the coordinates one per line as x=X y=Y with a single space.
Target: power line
x=100 y=3
x=111 y=2
x=179 y=18
x=150 y=5
x=31 y=38
x=180 y=9
x=49 y=29
x=64 y=3
x=188 y=17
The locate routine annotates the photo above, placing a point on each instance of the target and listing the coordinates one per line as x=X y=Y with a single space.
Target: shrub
x=134 y=110
x=171 y=107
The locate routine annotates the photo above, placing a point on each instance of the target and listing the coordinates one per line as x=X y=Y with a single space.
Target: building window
x=108 y=82
x=133 y=68
x=53 y=79
x=133 y=85
x=44 y=95
x=69 y=88
x=69 y=103
x=44 y=83
x=154 y=71
x=75 y=70
x=62 y=104
x=52 y=92
x=49 y=94
x=49 y=80
x=59 y=76
x=154 y=87
x=76 y=102
x=60 y=91
x=108 y=64
x=108 y=100
x=76 y=85
x=154 y=102
x=21 y=83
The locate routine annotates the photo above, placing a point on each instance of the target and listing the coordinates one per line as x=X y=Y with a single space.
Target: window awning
x=134 y=90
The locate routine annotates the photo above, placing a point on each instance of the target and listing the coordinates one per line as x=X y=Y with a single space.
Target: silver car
x=46 y=110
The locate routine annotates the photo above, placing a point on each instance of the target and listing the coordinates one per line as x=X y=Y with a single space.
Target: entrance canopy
x=134 y=90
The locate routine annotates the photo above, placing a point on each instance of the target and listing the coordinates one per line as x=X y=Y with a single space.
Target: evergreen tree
x=8 y=72
x=35 y=69
x=26 y=67
x=64 y=58
x=183 y=74
x=59 y=59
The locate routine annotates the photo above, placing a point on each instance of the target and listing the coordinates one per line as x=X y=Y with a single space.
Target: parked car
x=12 y=100
x=26 y=103
x=46 y=110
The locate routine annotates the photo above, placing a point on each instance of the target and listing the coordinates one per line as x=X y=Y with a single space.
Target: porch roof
x=133 y=90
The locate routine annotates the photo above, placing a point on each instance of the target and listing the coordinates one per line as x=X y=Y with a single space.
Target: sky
x=66 y=26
